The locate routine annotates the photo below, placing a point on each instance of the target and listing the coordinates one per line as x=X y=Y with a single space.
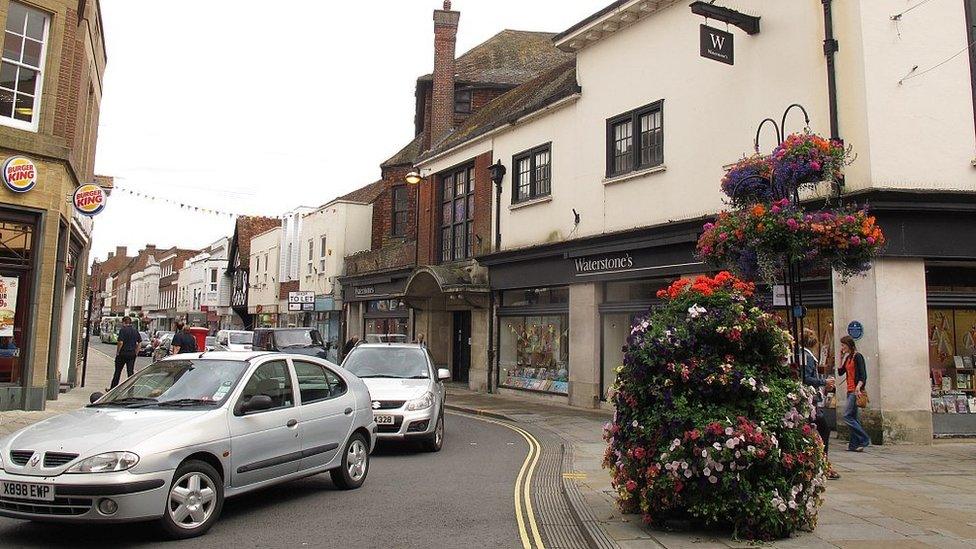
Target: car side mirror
x=257 y=403
x=443 y=374
x=95 y=396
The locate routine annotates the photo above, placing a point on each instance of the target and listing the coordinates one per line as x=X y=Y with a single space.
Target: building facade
x=238 y=274
x=163 y=317
x=50 y=89
x=329 y=233
x=263 y=290
x=612 y=167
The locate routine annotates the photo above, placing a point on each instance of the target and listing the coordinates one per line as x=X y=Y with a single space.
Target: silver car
x=407 y=391
x=181 y=435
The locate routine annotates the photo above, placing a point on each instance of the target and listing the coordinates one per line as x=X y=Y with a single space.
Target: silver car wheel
x=439 y=432
x=357 y=460
x=192 y=500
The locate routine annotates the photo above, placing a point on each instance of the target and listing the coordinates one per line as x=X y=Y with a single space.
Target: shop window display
x=952 y=354
x=534 y=353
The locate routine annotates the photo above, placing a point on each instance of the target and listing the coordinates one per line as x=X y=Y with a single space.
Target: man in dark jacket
x=183 y=342
x=126 y=350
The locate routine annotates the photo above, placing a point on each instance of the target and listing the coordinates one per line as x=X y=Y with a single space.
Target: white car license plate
x=24 y=490
x=384 y=420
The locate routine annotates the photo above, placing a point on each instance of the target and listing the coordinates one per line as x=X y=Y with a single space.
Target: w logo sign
x=717 y=44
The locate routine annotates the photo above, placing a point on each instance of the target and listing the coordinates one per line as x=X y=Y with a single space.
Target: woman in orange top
x=852 y=366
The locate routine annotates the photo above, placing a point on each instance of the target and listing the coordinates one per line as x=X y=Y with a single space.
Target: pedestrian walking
x=350 y=344
x=821 y=385
x=852 y=366
x=183 y=341
x=126 y=350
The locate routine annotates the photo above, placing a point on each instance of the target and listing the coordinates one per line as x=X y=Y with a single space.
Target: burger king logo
x=19 y=174
x=89 y=200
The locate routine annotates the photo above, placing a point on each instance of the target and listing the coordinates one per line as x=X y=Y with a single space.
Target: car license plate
x=383 y=420
x=23 y=490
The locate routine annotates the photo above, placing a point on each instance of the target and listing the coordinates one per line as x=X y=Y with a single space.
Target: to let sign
x=717 y=45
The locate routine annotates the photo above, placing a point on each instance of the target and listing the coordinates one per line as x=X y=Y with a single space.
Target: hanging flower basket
x=710 y=427
x=757 y=241
x=748 y=181
x=806 y=158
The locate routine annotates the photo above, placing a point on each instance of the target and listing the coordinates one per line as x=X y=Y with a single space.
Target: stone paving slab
x=892 y=496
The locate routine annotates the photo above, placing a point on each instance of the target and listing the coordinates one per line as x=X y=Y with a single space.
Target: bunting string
x=183 y=205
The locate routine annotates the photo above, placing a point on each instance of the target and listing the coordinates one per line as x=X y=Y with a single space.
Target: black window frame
x=448 y=179
x=465 y=104
x=534 y=191
x=400 y=218
x=636 y=147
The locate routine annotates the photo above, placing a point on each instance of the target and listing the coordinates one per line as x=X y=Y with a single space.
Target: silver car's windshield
x=241 y=338
x=391 y=362
x=297 y=338
x=178 y=382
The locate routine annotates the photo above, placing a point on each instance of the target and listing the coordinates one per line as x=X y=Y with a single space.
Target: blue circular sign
x=855 y=329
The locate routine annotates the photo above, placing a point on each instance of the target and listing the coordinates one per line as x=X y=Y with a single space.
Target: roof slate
x=551 y=86
x=406 y=155
x=508 y=58
x=364 y=195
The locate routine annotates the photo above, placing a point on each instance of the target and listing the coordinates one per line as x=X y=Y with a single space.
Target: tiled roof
x=407 y=154
x=509 y=58
x=248 y=227
x=551 y=86
x=364 y=195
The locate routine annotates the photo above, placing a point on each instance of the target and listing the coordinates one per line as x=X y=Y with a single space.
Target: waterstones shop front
x=564 y=312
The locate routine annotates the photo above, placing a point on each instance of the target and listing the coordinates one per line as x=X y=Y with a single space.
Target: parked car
x=162 y=348
x=210 y=343
x=159 y=446
x=144 y=345
x=304 y=341
x=407 y=391
x=234 y=340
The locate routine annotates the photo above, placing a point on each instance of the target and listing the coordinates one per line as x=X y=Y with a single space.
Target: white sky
x=258 y=107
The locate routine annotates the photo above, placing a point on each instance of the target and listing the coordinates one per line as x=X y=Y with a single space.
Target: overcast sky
x=264 y=106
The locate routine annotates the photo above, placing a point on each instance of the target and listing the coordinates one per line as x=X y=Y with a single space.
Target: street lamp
x=497 y=172
x=413 y=178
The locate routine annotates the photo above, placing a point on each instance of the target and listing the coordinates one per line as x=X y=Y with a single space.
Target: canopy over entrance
x=448 y=287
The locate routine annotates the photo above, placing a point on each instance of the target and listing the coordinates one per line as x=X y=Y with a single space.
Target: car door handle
x=348 y=411
x=291 y=423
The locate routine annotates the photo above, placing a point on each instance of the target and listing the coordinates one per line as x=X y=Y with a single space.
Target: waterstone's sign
x=365 y=290
x=603 y=264
x=717 y=45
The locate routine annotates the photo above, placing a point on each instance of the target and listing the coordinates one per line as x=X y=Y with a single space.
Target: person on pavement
x=852 y=366
x=183 y=342
x=820 y=384
x=126 y=350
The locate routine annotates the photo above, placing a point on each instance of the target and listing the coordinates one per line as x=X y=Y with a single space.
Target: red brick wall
x=445 y=39
x=382 y=232
x=482 y=204
x=429 y=242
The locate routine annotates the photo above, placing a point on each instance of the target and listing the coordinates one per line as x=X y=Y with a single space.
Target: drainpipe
x=491 y=337
x=830 y=48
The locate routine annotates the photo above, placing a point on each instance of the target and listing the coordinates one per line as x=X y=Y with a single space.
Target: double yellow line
x=523 y=483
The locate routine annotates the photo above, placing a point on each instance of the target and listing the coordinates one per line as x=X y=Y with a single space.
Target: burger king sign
x=89 y=200
x=19 y=174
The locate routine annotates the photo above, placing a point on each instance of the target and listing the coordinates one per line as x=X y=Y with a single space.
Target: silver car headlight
x=421 y=403
x=108 y=462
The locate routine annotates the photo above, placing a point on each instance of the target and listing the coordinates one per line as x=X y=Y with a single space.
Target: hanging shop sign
x=301 y=301
x=855 y=329
x=19 y=174
x=89 y=200
x=717 y=45
x=8 y=305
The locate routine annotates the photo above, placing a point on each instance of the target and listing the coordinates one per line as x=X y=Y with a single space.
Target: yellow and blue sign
x=19 y=174
x=89 y=200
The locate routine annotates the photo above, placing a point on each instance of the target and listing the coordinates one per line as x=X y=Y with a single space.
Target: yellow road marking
x=523 y=484
x=575 y=476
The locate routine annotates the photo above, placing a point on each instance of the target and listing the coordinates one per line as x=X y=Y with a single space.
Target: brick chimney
x=442 y=100
x=121 y=251
x=110 y=255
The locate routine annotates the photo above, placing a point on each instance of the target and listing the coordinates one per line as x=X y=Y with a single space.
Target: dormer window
x=462 y=101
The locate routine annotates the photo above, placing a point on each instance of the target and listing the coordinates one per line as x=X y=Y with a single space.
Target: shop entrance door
x=462 y=346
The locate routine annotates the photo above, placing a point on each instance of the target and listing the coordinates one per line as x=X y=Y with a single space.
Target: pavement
x=892 y=496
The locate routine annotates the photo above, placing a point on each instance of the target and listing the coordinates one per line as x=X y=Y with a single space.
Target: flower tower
x=710 y=427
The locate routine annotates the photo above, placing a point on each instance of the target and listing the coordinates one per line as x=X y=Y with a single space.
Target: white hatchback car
x=174 y=440
x=407 y=391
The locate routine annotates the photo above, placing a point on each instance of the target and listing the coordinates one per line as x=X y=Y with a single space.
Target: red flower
x=631 y=486
x=639 y=452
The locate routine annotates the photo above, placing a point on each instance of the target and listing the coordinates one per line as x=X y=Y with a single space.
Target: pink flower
x=815 y=165
x=775 y=209
x=855 y=240
x=709 y=226
x=792 y=224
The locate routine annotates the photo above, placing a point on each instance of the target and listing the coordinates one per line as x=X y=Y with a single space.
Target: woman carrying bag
x=852 y=366
x=820 y=384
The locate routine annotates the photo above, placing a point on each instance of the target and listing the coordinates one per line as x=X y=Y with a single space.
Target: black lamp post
x=497 y=171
